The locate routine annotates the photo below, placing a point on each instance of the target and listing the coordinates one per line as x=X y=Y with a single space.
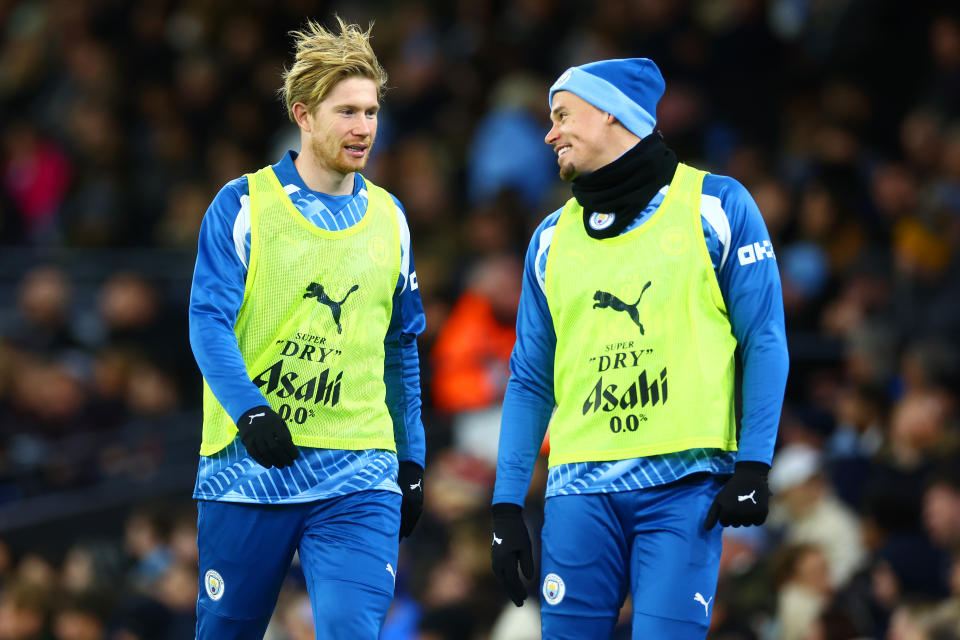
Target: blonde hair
x=325 y=58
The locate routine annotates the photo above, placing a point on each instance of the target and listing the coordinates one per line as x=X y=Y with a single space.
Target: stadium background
x=120 y=120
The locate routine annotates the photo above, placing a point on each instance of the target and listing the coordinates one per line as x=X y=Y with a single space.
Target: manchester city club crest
x=600 y=221
x=377 y=249
x=562 y=80
x=553 y=588
x=675 y=240
x=214 y=584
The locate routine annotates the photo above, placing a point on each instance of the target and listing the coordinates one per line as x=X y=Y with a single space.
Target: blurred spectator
x=744 y=599
x=471 y=356
x=946 y=614
x=920 y=138
x=805 y=270
x=130 y=309
x=513 y=122
x=802 y=577
x=860 y=415
x=906 y=568
x=80 y=617
x=833 y=624
x=135 y=318
x=43 y=322
x=35 y=570
x=24 y=612
x=151 y=391
x=6 y=562
x=726 y=622
x=462 y=486
x=809 y=513
x=944 y=80
x=36 y=176
x=183 y=537
x=145 y=540
x=916 y=621
x=930 y=364
x=918 y=428
x=92 y=568
x=176 y=590
x=181 y=220
x=941 y=509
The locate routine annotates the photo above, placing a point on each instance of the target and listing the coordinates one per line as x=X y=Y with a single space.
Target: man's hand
x=267 y=438
x=410 y=479
x=744 y=499
x=510 y=547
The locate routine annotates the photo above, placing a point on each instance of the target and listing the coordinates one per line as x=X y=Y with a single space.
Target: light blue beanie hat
x=627 y=88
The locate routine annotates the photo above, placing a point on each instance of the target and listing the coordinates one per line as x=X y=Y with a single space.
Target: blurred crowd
x=120 y=120
x=85 y=385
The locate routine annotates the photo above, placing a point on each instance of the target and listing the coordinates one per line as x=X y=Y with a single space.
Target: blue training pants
x=348 y=549
x=651 y=541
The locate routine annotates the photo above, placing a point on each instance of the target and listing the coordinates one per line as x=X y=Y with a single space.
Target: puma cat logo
x=608 y=300
x=698 y=597
x=315 y=290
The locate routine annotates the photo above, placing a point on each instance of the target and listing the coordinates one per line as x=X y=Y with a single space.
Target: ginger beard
x=333 y=150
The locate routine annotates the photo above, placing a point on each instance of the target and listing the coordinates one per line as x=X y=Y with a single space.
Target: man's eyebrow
x=356 y=107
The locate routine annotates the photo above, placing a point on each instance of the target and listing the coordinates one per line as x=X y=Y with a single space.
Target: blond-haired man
x=304 y=314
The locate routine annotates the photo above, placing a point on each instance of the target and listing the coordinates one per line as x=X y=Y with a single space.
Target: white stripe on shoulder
x=404 y=230
x=546 y=237
x=291 y=188
x=241 y=227
x=711 y=209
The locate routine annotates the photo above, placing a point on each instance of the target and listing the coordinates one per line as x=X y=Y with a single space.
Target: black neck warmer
x=625 y=186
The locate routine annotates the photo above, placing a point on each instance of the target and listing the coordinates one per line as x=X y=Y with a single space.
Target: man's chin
x=568 y=173
x=351 y=165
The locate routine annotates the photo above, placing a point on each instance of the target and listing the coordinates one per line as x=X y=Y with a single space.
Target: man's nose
x=551 y=135
x=362 y=128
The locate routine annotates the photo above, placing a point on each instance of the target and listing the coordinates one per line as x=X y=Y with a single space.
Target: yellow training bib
x=644 y=363
x=315 y=312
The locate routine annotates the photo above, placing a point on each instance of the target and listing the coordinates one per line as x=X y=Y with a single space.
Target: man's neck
x=323 y=180
x=620 y=142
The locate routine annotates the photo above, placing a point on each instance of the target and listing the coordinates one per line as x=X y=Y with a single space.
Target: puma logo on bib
x=606 y=300
x=315 y=290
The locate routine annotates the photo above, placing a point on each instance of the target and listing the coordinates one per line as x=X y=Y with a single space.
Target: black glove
x=267 y=438
x=410 y=479
x=511 y=545
x=744 y=499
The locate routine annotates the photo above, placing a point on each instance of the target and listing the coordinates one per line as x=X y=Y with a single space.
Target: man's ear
x=609 y=118
x=302 y=115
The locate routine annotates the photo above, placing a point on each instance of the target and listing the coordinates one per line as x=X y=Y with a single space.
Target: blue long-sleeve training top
x=217 y=293
x=746 y=269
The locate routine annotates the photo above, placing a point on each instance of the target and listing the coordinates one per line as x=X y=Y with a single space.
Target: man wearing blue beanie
x=650 y=336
